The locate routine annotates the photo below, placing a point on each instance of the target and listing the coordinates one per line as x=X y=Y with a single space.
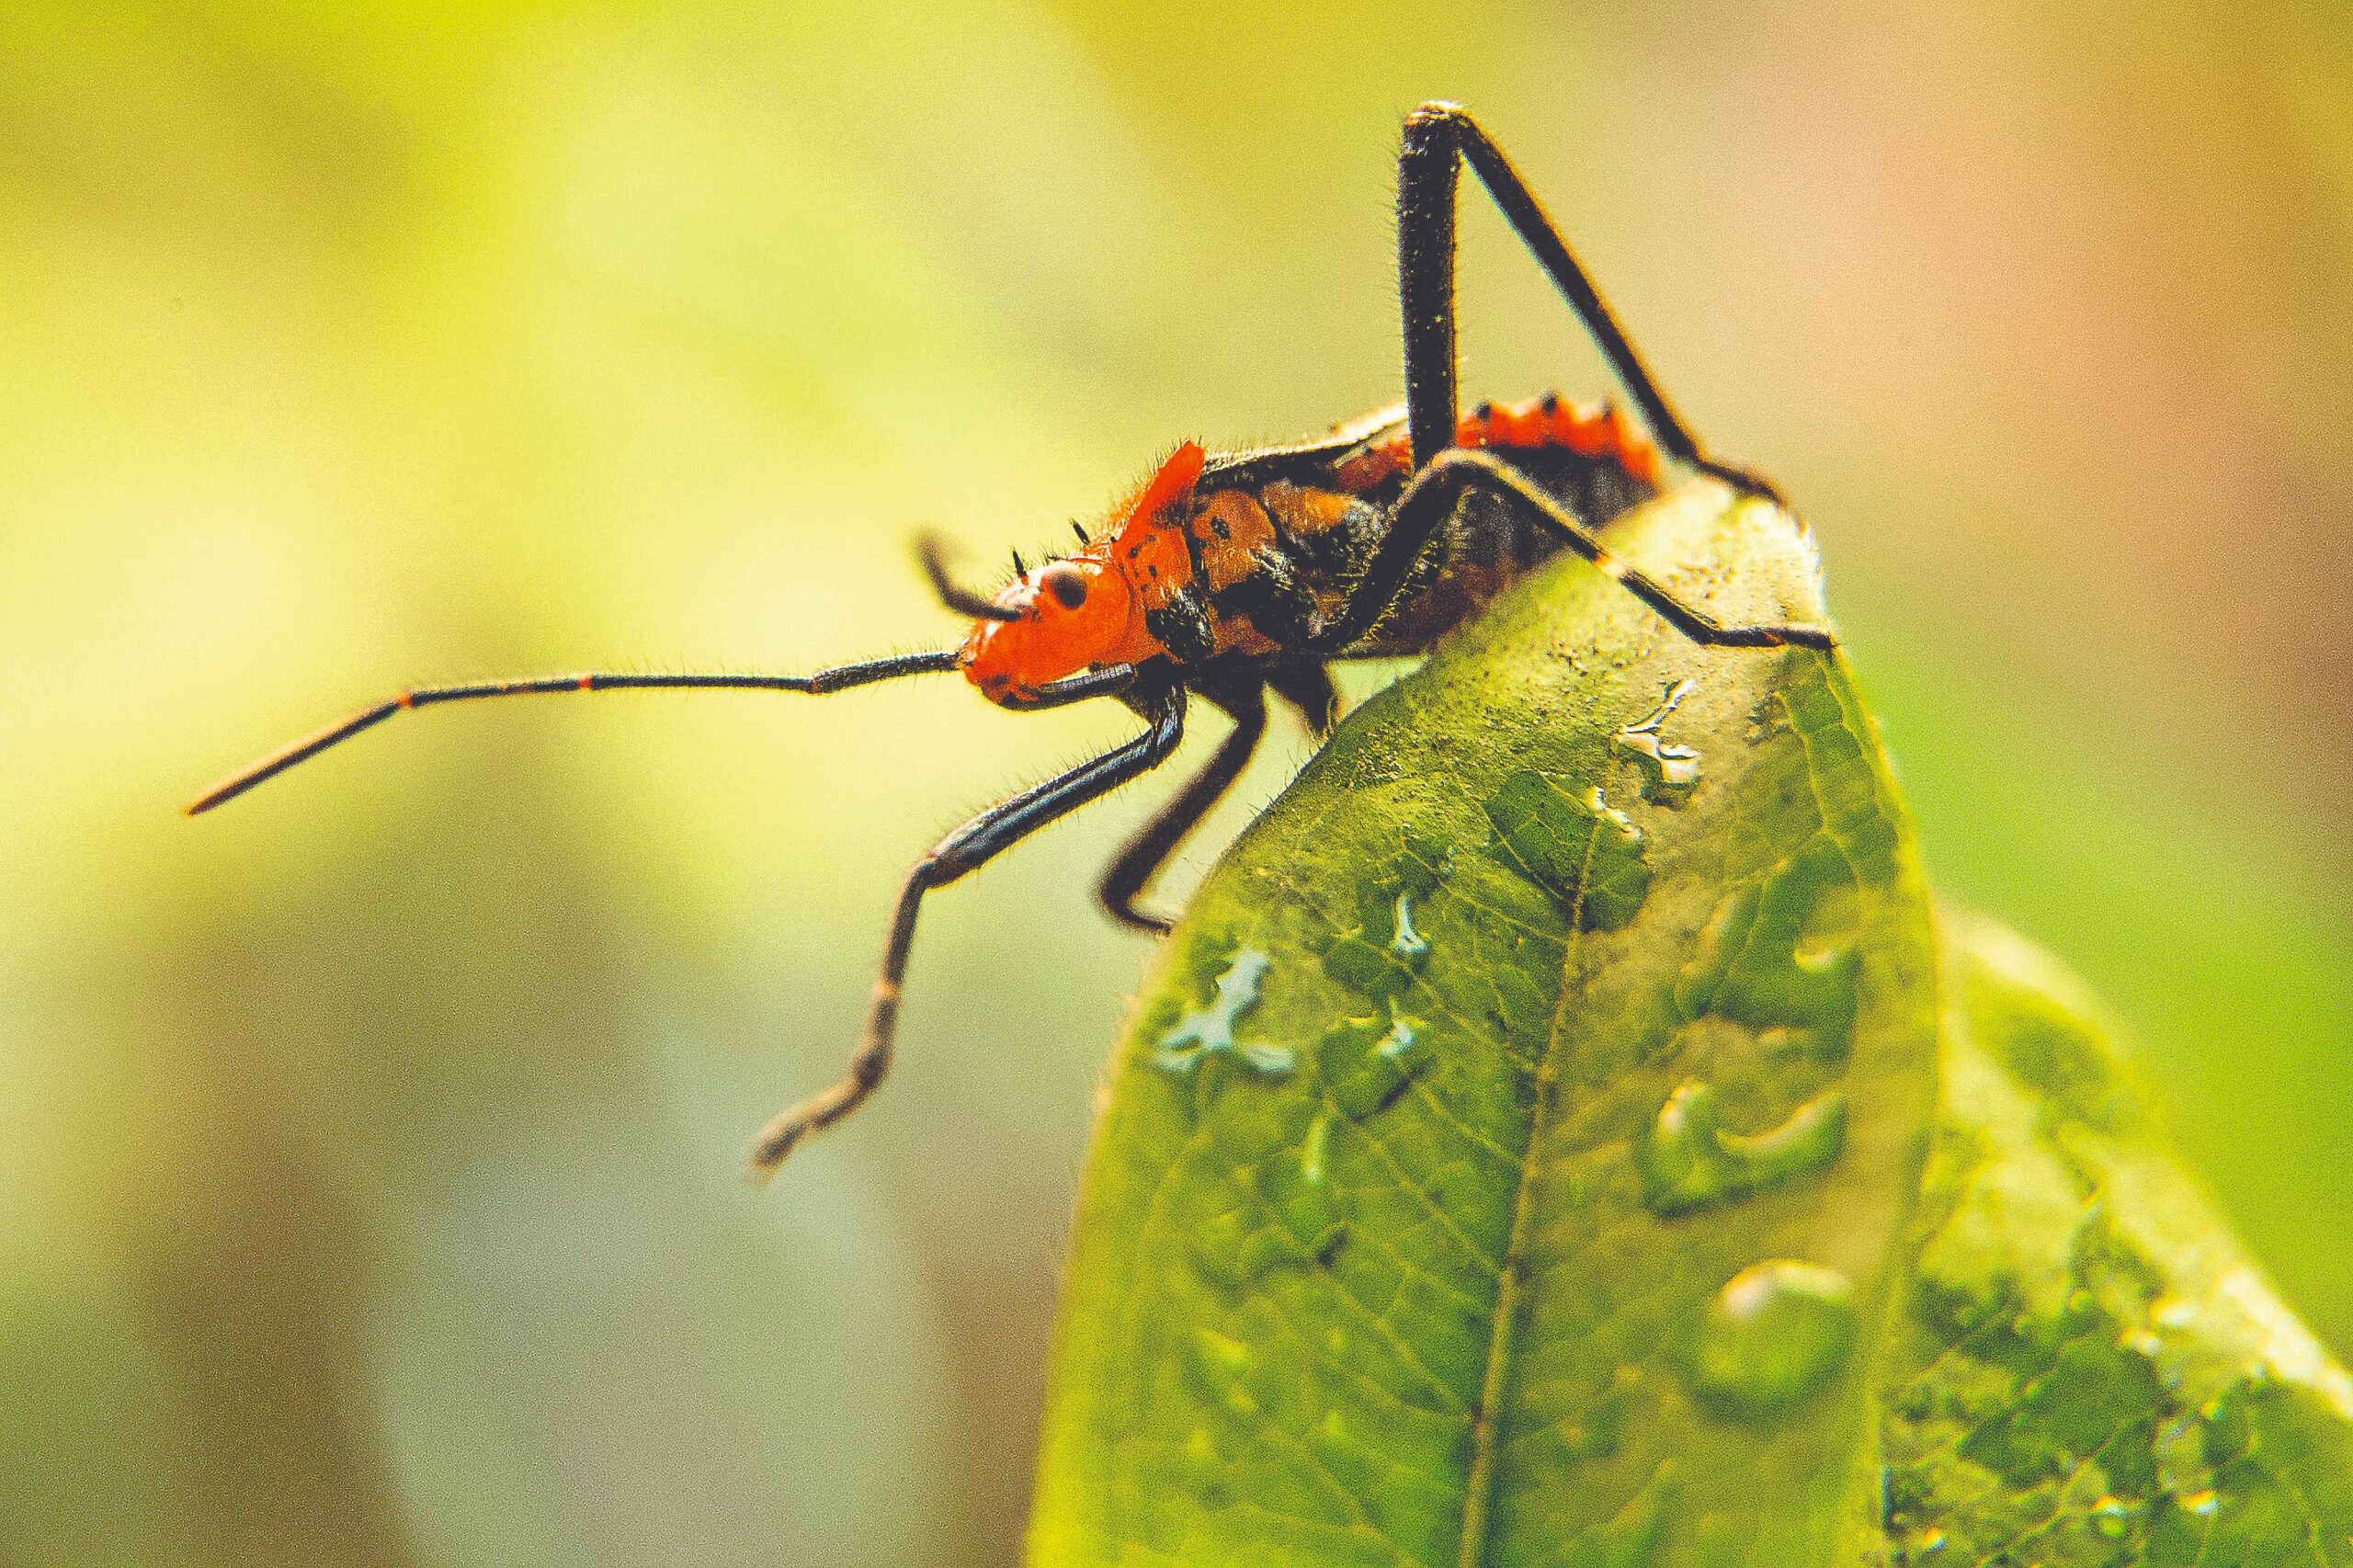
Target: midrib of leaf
x=1478 y=1487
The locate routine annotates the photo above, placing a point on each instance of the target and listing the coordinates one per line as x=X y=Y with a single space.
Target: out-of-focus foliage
x=370 y=1192
x=2089 y=1371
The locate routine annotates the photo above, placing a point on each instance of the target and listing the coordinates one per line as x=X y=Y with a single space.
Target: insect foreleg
x=1141 y=858
x=1307 y=686
x=1109 y=681
x=962 y=851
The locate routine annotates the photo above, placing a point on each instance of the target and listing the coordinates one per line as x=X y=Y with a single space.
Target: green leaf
x=1565 y=1141
x=2087 y=1369
x=1516 y=1159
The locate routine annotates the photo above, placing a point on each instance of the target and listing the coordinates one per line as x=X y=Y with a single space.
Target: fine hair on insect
x=1229 y=576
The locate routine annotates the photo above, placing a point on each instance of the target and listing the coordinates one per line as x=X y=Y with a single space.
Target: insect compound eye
x=1067 y=584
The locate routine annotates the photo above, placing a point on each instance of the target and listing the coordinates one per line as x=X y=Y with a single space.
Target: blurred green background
x=369 y=1193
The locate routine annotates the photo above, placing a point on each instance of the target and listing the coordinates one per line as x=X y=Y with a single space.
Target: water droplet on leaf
x=1207 y=1029
x=2224 y=1417
x=1778 y=1332
x=1670 y=770
x=1688 y=1160
x=1222 y=1364
x=1311 y=1154
x=1408 y=946
x=1366 y=1064
x=1310 y=1221
x=1581 y=850
x=1761 y=962
x=1382 y=954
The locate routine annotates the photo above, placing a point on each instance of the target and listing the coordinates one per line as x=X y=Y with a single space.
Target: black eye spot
x=1067 y=584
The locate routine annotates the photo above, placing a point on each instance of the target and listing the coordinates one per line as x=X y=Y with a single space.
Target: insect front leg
x=1141 y=858
x=1440 y=137
x=1307 y=686
x=964 y=850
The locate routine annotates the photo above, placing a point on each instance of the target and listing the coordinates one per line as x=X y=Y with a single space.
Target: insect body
x=1249 y=557
x=1234 y=574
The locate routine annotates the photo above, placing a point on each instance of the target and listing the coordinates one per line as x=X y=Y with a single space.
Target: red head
x=1087 y=611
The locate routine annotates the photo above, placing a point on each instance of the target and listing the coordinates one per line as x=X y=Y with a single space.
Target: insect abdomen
x=1275 y=555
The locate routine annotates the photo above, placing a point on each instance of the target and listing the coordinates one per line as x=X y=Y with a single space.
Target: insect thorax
x=1279 y=542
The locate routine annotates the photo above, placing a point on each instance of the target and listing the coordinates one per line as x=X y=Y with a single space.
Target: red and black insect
x=1230 y=576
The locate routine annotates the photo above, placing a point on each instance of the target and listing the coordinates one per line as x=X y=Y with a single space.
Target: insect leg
x=1430 y=498
x=969 y=847
x=1141 y=859
x=1437 y=135
x=839 y=678
x=1108 y=681
x=1307 y=686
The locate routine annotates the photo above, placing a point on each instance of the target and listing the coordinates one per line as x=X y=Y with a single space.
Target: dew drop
x=1688 y=1161
x=1379 y=957
x=1778 y=1332
x=1312 y=1153
x=2112 y=1517
x=1231 y=1355
x=1341 y=1449
x=1208 y=1472
x=1274 y=1060
x=1670 y=770
x=1223 y=1365
x=1297 y=1218
x=1366 y=1064
x=1606 y=813
x=2224 y=1433
x=1408 y=946
x=1760 y=960
x=1209 y=1029
x=1311 y=1222
x=1579 y=848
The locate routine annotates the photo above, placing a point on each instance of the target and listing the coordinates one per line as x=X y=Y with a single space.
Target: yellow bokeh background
x=370 y=1190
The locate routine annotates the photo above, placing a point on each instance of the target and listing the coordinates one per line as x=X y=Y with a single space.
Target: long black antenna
x=962 y=600
x=836 y=679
